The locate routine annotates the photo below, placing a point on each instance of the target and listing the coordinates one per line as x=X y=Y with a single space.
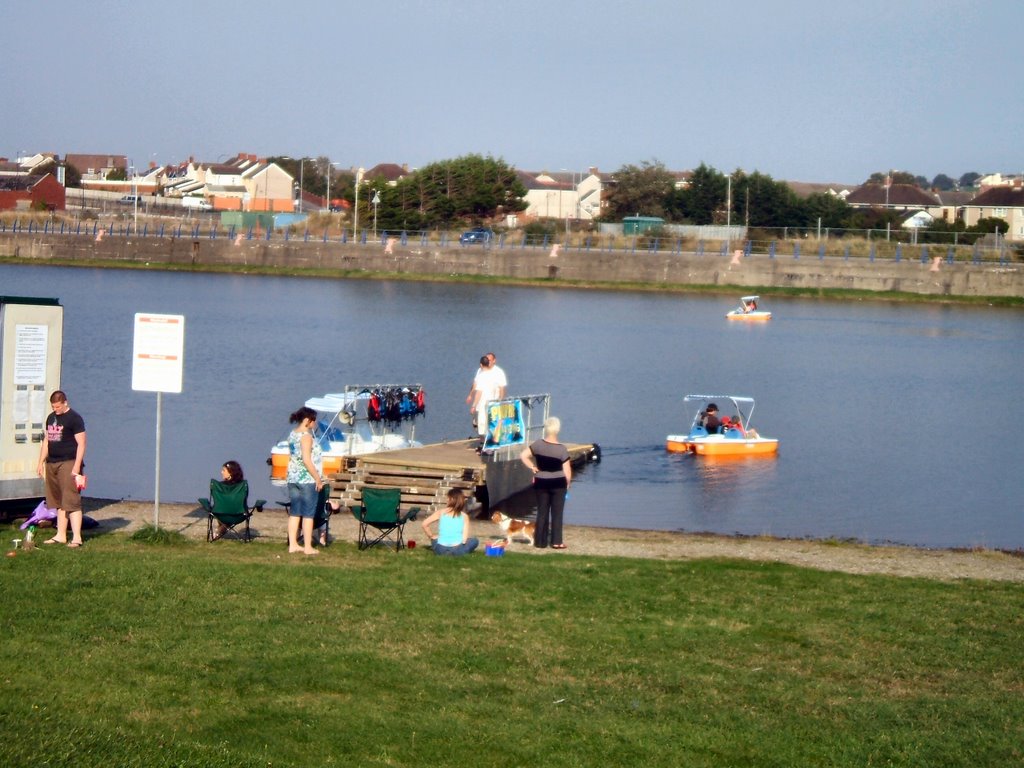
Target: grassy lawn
x=128 y=654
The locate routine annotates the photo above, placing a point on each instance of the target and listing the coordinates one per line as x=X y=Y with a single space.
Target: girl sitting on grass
x=453 y=527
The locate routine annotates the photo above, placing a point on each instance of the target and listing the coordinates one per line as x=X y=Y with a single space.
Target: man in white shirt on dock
x=489 y=384
x=499 y=372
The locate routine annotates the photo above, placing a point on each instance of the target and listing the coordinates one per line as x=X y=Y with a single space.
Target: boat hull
x=279 y=465
x=719 y=445
x=756 y=316
x=677 y=444
x=335 y=459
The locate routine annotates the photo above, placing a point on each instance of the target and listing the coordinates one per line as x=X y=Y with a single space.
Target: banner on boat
x=505 y=424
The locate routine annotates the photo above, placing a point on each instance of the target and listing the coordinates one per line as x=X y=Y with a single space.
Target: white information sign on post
x=158 y=352
x=158 y=363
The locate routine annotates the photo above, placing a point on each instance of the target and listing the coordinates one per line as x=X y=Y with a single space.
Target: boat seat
x=734 y=433
x=698 y=432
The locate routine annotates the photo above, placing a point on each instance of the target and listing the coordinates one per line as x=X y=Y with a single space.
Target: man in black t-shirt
x=709 y=420
x=61 y=463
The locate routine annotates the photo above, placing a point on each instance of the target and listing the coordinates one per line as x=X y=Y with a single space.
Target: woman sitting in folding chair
x=227 y=507
x=230 y=474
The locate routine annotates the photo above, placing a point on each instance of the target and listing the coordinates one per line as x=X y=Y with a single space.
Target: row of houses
x=920 y=208
x=564 y=195
x=249 y=183
x=243 y=183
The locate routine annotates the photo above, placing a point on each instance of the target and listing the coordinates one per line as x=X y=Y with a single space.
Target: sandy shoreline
x=941 y=564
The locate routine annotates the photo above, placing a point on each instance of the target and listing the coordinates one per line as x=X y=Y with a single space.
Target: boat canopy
x=748 y=299
x=736 y=399
x=331 y=403
x=744 y=405
x=342 y=413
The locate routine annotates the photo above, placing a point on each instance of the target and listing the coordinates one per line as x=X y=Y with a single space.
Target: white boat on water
x=748 y=311
x=356 y=422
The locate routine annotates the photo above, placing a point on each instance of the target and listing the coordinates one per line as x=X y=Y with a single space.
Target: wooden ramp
x=426 y=474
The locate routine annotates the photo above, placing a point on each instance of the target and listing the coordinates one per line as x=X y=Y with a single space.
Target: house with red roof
x=1003 y=202
x=893 y=197
x=96 y=167
x=392 y=173
x=31 y=193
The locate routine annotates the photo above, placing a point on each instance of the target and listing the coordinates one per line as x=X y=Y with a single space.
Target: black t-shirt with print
x=60 y=435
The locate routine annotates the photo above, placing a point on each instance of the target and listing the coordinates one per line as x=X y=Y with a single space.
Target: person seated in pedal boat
x=709 y=419
x=732 y=426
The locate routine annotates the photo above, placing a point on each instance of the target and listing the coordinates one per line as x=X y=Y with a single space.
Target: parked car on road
x=131 y=200
x=476 y=235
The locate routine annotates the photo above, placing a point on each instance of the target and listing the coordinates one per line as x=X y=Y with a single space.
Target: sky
x=802 y=91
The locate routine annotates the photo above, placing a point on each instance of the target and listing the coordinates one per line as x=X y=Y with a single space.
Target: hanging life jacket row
x=393 y=405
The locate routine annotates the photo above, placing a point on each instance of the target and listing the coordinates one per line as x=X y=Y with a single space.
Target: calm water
x=897 y=423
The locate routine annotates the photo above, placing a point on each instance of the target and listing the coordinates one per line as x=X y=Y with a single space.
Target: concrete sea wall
x=657 y=268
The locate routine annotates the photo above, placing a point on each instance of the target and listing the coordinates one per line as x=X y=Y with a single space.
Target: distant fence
x=110 y=202
x=687 y=231
x=208 y=228
x=909 y=235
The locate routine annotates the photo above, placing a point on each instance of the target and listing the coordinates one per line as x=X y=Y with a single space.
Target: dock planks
x=425 y=474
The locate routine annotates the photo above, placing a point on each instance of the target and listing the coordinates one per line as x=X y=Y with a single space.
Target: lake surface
x=897 y=422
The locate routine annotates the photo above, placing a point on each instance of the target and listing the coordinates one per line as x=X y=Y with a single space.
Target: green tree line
x=463 y=190
x=754 y=199
x=476 y=189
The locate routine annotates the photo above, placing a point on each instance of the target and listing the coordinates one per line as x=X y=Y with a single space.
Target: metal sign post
x=158 y=357
x=156 y=481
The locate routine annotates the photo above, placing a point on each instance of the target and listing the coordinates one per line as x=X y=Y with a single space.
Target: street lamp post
x=888 y=183
x=158 y=176
x=576 y=190
x=135 y=196
x=576 y=197
x=330 y=172
x=376 y=202
x=355 y=216
x=302 y=162
x=564 y=170
x=728 y=213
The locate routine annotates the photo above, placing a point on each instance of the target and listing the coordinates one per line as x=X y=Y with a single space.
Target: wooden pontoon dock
x=425 y=474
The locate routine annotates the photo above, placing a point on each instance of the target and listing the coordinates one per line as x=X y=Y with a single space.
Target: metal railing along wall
x=990 y=249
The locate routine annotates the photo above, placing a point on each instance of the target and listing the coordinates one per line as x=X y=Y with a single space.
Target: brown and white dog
x=510 y=526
